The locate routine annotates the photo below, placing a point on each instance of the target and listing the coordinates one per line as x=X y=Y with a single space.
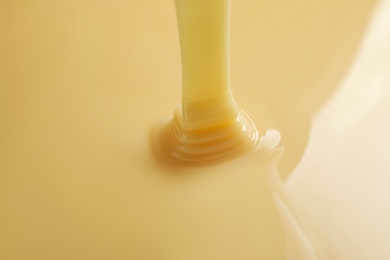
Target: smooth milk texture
x=208 y=127
x=83 y=82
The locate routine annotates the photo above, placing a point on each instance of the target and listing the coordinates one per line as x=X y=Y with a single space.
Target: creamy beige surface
x=341 y=182
x=81 y=84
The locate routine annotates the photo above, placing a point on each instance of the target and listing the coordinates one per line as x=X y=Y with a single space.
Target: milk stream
x=208 y=126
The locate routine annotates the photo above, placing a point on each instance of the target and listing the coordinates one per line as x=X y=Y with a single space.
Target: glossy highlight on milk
x=208 y=126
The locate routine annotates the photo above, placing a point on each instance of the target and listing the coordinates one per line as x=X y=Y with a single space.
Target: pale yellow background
x=82 y=83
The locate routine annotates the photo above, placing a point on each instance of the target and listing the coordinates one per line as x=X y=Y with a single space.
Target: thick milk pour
x=208 y=126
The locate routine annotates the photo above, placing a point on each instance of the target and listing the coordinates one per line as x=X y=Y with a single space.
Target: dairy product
x=82 y=84
x=208 y=126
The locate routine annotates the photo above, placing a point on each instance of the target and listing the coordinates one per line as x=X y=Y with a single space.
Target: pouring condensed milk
x=208 y=126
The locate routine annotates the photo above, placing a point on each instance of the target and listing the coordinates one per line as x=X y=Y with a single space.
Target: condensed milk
x=84 y=82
